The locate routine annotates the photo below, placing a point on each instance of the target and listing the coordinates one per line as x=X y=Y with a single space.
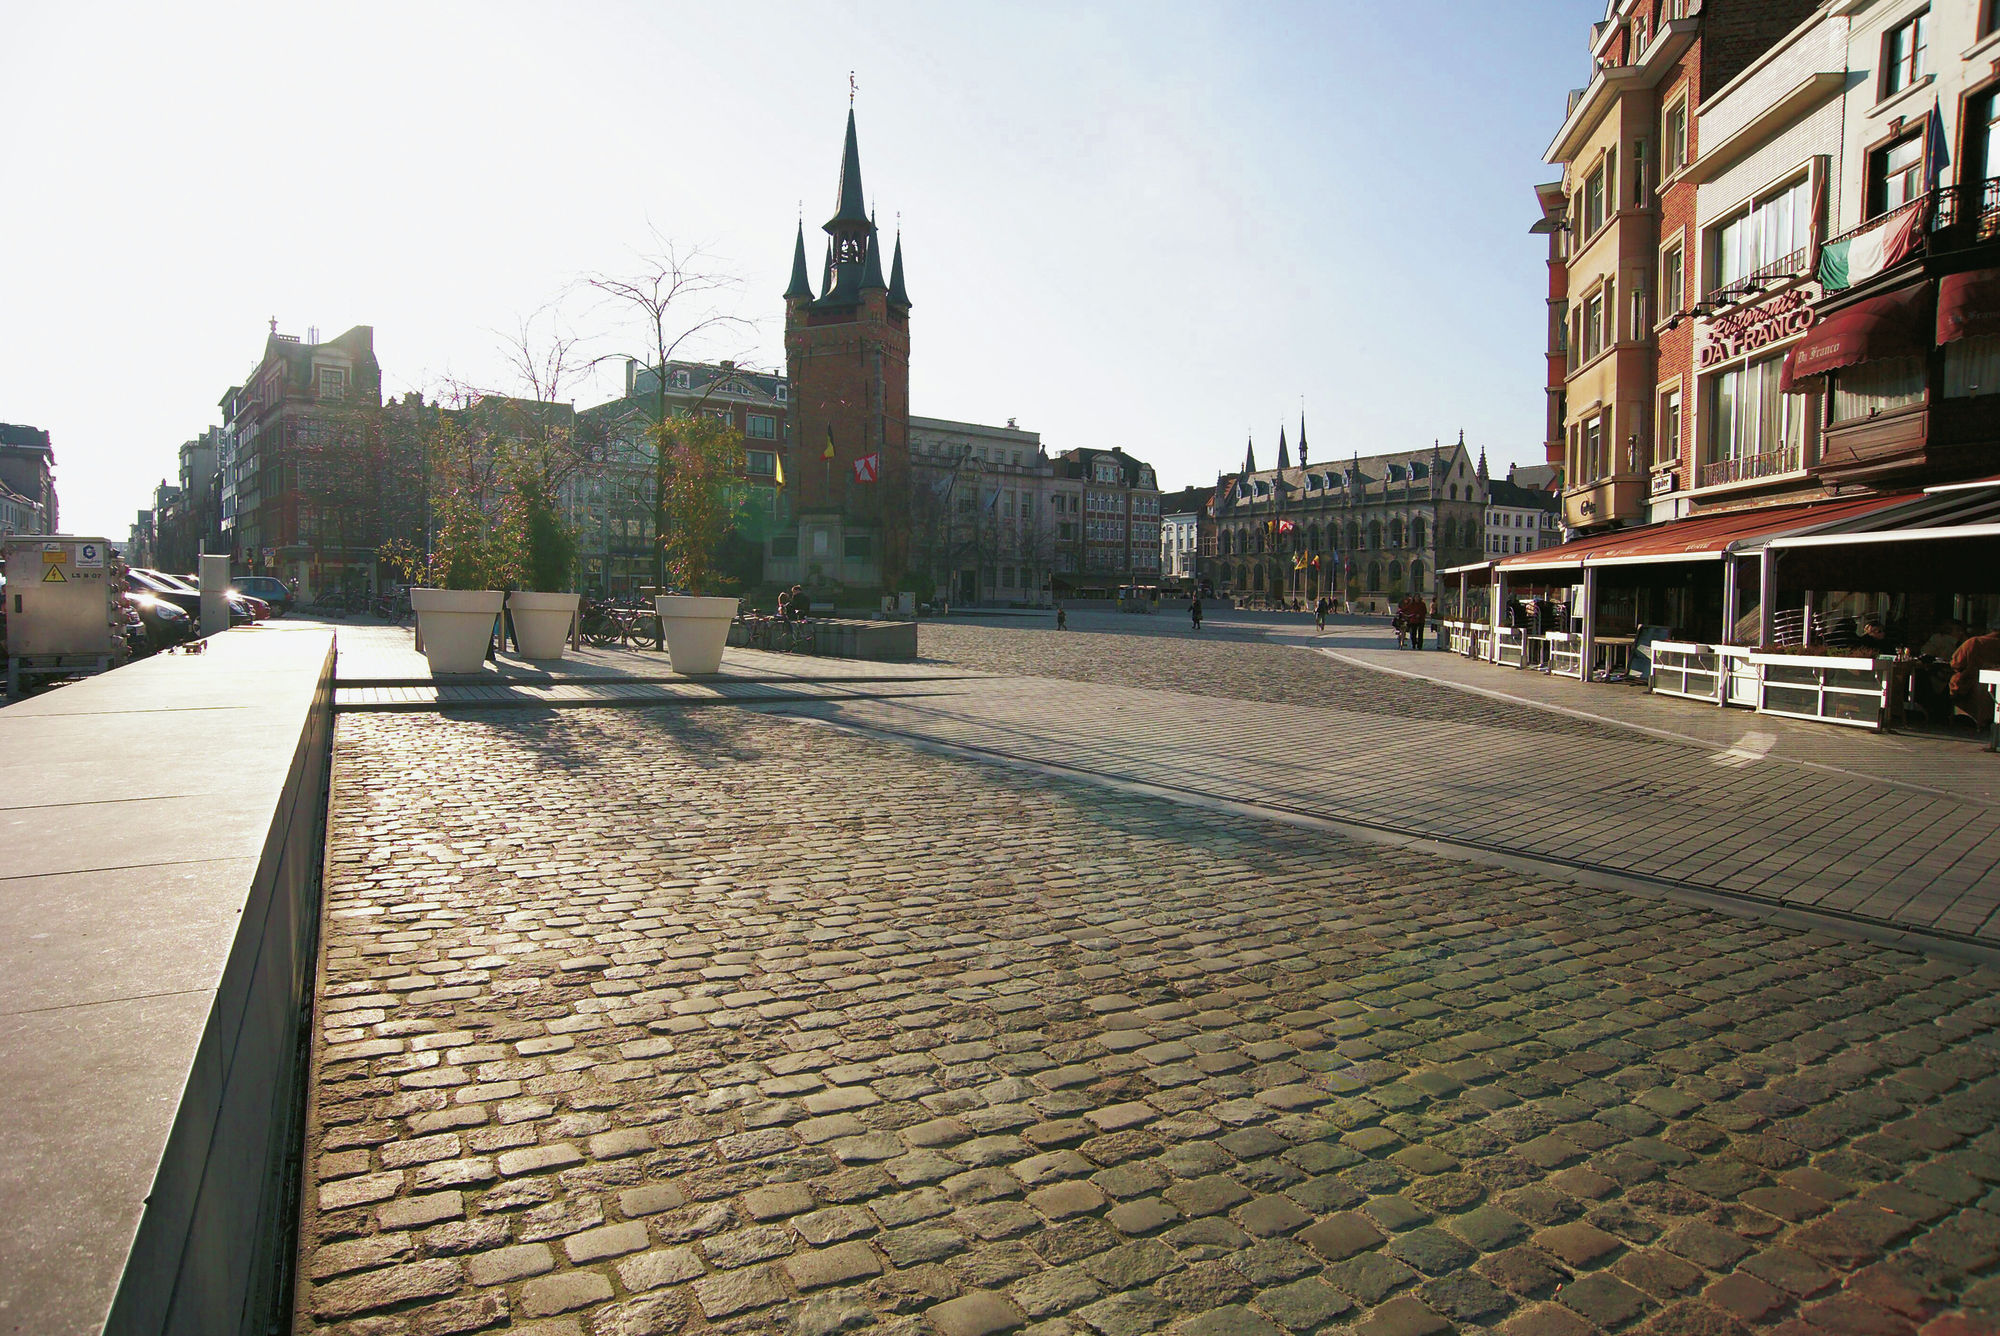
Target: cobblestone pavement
x=1241 y=667
x=652 y=1021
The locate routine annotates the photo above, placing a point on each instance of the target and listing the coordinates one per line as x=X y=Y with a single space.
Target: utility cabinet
x=63 y=611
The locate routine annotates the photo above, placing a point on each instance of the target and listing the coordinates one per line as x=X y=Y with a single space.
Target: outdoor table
x=1607 y=649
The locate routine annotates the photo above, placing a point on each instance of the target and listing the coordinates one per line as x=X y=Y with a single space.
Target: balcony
x=1620 y=499
x=1955 y=218
x=1774 y=274
x=1749 y=468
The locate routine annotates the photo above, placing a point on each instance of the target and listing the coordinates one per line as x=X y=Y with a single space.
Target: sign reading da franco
x=1744 y=330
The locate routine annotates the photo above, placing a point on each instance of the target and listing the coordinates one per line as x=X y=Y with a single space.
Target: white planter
x=696 y=629
x=456 y=625
x=541 y=622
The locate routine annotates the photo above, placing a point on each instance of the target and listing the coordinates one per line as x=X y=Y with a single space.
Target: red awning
x=1702 y=537
x=1891 y=325
x=1968 y=305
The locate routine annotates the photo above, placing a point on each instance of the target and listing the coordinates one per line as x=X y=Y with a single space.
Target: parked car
x=163 y=623
x=267 y=587
x=183 y=595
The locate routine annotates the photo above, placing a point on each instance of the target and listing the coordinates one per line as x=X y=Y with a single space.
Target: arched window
x=1395 y=577
x=1417 y=575
x=1454 y=491
x=1375 y=539
x=1257 y=578
x=1448 y=532
x=1228 y=538
x=1395 y=533
x=1374 y=575
x=1312 y=537
x=1353 y=536
x=1417 y=533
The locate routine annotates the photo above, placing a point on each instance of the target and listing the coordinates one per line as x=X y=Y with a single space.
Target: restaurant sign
x=1663 y=482
x=1747 y=328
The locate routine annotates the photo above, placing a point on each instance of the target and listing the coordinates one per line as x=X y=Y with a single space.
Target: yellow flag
x=779 y=476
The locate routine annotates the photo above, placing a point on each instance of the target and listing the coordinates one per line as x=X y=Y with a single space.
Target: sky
x=1162 y=226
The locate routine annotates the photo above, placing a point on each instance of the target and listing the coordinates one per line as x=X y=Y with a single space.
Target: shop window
x=1905 y=48
x=1749 y=417
x=1972 y=367
x=1895 y=174
x=1877 y=387
x=858 y=546
x=785 y=545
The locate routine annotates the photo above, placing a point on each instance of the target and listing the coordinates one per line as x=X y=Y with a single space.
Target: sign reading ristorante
x=1748 y=328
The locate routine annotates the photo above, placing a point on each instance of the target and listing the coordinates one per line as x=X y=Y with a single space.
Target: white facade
x=1178 y=538
x=18 y=514
x=1511 y=529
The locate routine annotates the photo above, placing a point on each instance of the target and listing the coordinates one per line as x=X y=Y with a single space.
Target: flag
x=827 y=454
x=867 y=467
x=1855 y=259
x=1937 y=156
x=1299 y=562
x=1286 y=526
x=778 y=476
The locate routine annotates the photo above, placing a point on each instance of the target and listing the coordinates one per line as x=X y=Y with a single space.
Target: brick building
x=316 y=483
x=1118 y=520
x=1625 y=146
x=847 y=359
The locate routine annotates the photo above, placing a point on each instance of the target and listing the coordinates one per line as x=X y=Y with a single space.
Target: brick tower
x=847 y=354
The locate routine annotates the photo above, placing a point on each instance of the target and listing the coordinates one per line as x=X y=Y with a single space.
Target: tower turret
x=801 y=284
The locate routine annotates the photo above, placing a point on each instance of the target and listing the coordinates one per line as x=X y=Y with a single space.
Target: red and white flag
x=867 y=467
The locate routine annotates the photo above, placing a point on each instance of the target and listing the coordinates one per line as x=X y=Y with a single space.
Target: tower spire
x=851 y=207
x=801 y=285
x=1284 y=451
x=897 y=296
x=1302 y=437
x=1249 y=456
x=871 y=268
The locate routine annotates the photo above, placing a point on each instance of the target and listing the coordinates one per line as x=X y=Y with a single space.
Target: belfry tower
x=847 y=355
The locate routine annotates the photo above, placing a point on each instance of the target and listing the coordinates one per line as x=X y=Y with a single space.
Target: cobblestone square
x=663 y=1020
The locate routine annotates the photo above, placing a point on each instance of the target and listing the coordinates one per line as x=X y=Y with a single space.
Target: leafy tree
x=700 y=461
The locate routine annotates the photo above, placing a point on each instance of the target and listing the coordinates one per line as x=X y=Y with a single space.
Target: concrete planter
x=696 y=628
x=456 y=625
x=541 y=622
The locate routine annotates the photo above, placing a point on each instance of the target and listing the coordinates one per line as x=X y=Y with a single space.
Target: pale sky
x=1154 y=226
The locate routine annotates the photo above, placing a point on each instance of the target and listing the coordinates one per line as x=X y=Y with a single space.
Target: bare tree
x=674 y=296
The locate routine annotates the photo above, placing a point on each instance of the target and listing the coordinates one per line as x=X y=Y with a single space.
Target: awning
x=1891 y=325
x=1968 y=510
x=1968 y=305
x=1701 y=538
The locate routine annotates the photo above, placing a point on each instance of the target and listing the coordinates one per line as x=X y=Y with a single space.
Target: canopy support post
x=1589 y=645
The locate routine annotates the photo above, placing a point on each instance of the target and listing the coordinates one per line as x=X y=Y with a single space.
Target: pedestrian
x=1320 y=610
x=1418 y=616
x=1194 y=611
x=1062 y=616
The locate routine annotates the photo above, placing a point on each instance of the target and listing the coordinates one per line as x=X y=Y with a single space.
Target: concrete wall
x=158 y=912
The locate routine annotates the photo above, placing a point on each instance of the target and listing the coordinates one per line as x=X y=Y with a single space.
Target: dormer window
x=784 y=392
x=679 y=380
x=332 y=382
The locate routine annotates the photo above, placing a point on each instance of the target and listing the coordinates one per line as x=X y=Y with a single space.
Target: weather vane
x=851 y=86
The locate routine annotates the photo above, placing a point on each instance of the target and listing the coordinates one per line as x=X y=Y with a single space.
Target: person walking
x=1062 y=616
x=1320 y=610
x=1194 y=611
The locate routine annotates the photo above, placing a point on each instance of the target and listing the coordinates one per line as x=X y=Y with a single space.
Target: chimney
x=631 y=376
x=312 y=334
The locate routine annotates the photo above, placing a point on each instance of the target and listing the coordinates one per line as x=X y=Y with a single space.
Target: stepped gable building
x=847 y=360
x=1368 y=529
